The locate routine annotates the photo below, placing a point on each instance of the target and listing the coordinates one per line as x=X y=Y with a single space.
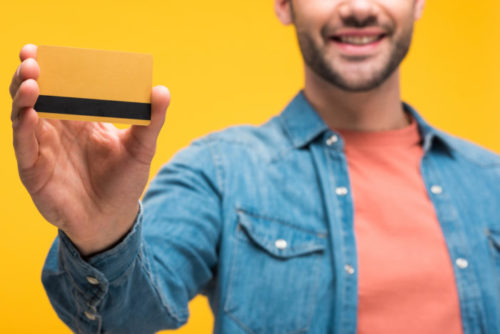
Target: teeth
x=358 y=40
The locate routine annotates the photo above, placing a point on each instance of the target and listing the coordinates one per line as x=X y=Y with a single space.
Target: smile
x=358 y=40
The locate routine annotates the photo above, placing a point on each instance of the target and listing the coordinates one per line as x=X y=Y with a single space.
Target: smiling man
x=346 y=213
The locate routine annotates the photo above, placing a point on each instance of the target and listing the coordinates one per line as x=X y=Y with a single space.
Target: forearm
x=114 y=291
x=145 y=282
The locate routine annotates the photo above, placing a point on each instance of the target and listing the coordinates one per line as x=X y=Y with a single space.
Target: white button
x=349 y=269
x=90 y=316
x=281 y=244
x=462 y=263
x=435 y=189
x=92 y=280
x=341 y=191
x=332 y=140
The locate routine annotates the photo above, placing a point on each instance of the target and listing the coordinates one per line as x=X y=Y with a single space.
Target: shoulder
x=265 y=141
x=251 y=135
x=466 y=149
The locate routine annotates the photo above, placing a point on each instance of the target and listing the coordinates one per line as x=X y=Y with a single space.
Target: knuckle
x=142 y=152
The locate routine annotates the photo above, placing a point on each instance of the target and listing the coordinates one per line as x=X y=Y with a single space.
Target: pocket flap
x=278 y=237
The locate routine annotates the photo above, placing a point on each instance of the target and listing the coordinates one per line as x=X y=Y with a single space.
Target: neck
x=375 y=110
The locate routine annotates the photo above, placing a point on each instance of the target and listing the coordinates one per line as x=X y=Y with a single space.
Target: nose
x=361 y=10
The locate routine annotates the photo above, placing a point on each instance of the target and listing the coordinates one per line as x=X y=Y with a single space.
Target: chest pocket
x=274 y=275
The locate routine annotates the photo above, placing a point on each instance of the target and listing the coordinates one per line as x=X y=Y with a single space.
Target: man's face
x=354 y=44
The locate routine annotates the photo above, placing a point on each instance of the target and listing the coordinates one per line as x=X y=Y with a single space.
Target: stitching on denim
x=230 y=287
x=156 y=289
x=219 y=169
x=63 y=312
x=313 y=296
x=239 y=323
x=281 y=155
x=117 y=281
x=213 y=138
x=227 y=306
x=73 y=282
x=252 y=239
x=179 y=318
x=234 y=252
x=477 y=161
x=321 y=234
x=457 y=144
x=78 y=312
x=283 y=120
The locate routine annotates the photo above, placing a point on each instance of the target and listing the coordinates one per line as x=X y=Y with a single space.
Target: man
x=347 y=213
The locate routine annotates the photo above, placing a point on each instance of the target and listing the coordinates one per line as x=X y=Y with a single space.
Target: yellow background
x=226 y=62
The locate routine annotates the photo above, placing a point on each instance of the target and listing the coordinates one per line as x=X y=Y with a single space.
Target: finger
x=25 y=97
x=160 y=100
x=28 y=69
x=28 y=51
x=140 y=141
x=25 y=142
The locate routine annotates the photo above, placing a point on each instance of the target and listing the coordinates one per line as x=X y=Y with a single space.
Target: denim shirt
x=251 y=218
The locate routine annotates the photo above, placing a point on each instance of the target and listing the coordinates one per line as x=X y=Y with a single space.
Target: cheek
x=311 y=16
x=313 y=13
x=402 y=12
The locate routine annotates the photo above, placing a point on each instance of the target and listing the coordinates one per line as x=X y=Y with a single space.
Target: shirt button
x=462 y=263
x=332 y=140
x=435 y=189
x=92 y=280
x=90 y=316
x=281 y=244
x=349 y=269
x=341 y=191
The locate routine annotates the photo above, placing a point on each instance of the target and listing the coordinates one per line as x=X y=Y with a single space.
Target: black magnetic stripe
x=93 y=107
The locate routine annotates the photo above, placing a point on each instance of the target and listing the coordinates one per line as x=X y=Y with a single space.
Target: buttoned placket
x=332 y=170
x=459 y=251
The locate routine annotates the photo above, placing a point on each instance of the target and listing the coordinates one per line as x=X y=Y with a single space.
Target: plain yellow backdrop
x=226 y=62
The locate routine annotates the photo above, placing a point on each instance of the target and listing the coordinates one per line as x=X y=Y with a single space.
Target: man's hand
x=85 y=178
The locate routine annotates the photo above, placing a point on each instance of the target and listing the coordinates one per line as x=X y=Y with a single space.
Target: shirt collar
x=303 y=124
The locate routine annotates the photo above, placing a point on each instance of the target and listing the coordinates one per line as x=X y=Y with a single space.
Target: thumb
x=139 y=137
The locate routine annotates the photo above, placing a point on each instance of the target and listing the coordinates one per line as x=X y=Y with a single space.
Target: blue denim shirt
x=251 y=218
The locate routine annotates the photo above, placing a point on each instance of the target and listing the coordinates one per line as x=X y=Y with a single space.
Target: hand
x=84 y=177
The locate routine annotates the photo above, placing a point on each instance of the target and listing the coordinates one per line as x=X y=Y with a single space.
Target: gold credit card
x=94 y=85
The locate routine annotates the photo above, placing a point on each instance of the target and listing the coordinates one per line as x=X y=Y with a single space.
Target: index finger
x=28 y=69
x=27 y=51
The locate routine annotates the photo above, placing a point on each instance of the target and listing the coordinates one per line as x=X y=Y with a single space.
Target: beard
x=355 y=74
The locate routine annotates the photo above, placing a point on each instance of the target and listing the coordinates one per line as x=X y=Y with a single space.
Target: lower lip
x=358 y=50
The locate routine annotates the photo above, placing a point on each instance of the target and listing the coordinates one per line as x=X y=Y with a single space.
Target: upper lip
x=372 y=31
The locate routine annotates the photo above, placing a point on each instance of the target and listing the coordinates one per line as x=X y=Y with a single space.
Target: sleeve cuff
x=105 y=267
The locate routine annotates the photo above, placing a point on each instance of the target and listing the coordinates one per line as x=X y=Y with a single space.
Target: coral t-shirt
x=406 y=280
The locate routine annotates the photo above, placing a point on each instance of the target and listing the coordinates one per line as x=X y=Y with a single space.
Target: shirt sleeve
x=144 y=283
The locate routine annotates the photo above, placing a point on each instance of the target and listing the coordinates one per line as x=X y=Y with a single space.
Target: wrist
x=104 y=236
